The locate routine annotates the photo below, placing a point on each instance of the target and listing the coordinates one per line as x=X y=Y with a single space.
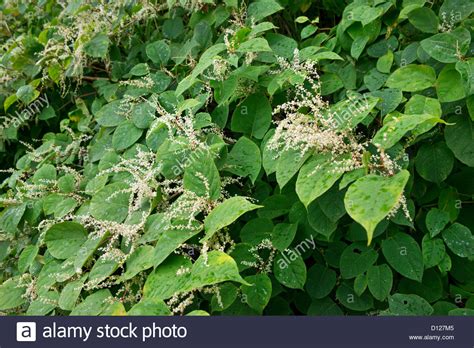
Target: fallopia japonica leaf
x=111 y=203
x=11 y=293
x=400 y=304
x=350 y=112
x=43 y=304
x=356 y=260
x=380 y=281
x=27 y=257
x=93 y=304
x=446 y=47
x=412 y=78
x=64 y=239
x=169 y=240
x=436 y=220
x=202 y=177
x=369 y=200
x=10 y=218
x=288 y=164
x=259 y=293
x=433 y=251
x=459 y=138
x=316 y=177
x=397 y=126
x=149 y=307
x=321 y=281
x=459 y=240
x=263 y=8
x=140 y=260
x=125 y=135
x=158 y=51
x=346 y=295
x=70 y=293
x=257 y=44
x=225 y=214
x=103 y=267
x=290 y=269
x=403 y=253
x=253 y=116
x=244 y=159
x=213 y=268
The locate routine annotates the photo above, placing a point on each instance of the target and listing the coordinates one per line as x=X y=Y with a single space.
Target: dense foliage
x=224 y=157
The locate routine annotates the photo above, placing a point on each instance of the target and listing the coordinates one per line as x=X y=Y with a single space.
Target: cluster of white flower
x=263 y=265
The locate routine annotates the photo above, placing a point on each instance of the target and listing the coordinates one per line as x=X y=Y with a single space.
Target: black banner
x=332 y=332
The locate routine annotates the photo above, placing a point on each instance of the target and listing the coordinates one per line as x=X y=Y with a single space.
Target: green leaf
x=103 y=267
x=27 y=257
x=254 y=45
x=159 y=52
x=346 y=295
x=316 y=177
x=149 y=307
x=290 y=269
x=433 y=251
x=397 y=126
x=244 y=159
x=11 y=217
x=459 y=137
x=434 y=162
x=321 y=281
x=459 y=239
x=262 y=8
x=225 y=214
x=253 y=116
x=424 y=19
x=450 y=85
x=111 y=203
x=11 y=293
x=380 y=281
x=64 y=239
x=384 y=63
x=94 y=304
x=27 y=94
x=259 y=293
x=98 y=46
x=169 y=240
x=125 y=135
x=446 y=47
x=70 y=293
x=110 y=115
x=202 y=177
x=412 y=78
x=356 y=260
x=140 y=260
x=403 y=253
x=288 y=164
x=369 y=200
x=409 y=305
x=436 y=220
x=282 y=235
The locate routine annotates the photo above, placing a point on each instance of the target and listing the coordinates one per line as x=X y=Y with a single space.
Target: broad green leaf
x=202 y=177
x=288 y=164
x=140 y=260
x=64 y=239
x=125 y=135
x=397 y=126
x=43 y=304
x=149 y=307
x=282 y=235
x=103 y=267
x=290 y=269
x=10 y=218
x=262 y=8
x=449 y=85
x=456 y=10
x=316 y=177
x=159 y=52
x=169 y=240
x=356 y=259
x=70 y=293
x=433 y=251
x=412 y=78
x=346 y=295
x=27 y=257
x=225 y=214
x=459 y=240
x=424 y=19
x=253 y=116
x=98 y=46
x=254 y=45
x=403 y=253
x=379 y=281
x=370 y=199
x=446 y=47
x=228 y=293
x=321 y=281
x=436 y=220
x=409 y=305
x=111 y=203
x=259 y=293
x=93 y=304
x=434 y=162
x=459 y=137
x=110 y=115
x=244 y=159
x=11 y=293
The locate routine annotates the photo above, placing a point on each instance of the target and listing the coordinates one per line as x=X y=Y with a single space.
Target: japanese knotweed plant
x=241 y=158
